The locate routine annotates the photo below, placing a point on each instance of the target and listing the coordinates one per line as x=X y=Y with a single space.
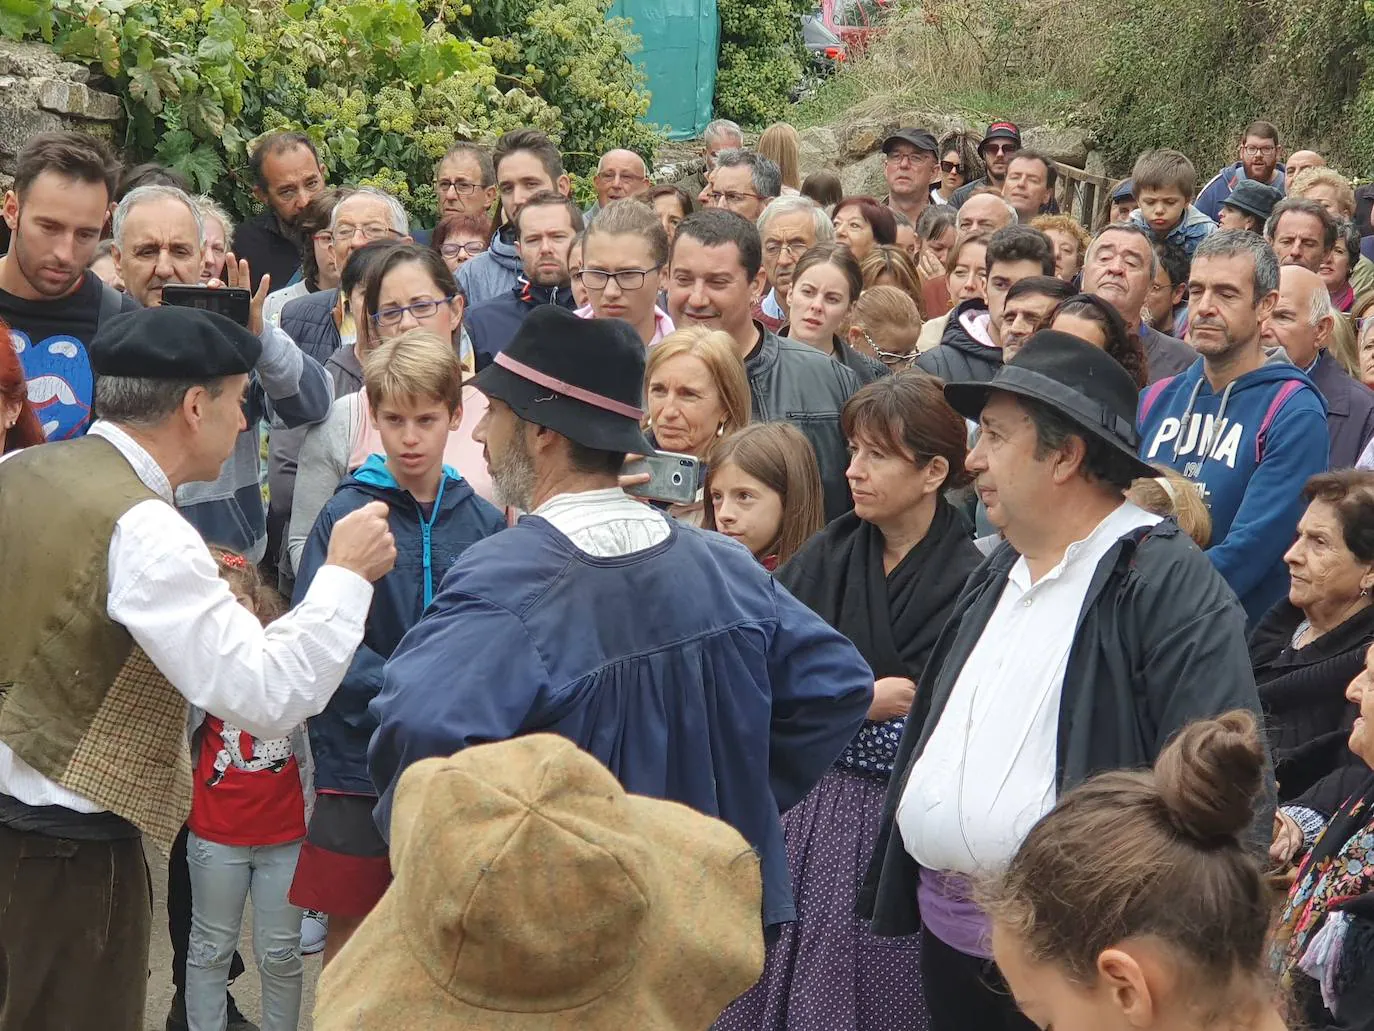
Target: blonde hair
x=890 y=308
x=1171 y=494
x=781 y=144
x=416 y=364
x=1323 y=176
x=715 y=349
x=891 y=260
x=1064 y=224
x=207 y=208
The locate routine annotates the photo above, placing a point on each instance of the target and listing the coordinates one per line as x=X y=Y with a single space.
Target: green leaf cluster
x=760 y=59
x=383 y=87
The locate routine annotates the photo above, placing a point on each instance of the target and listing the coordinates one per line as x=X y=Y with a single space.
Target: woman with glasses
x=624 y=258
x=959 y=164
x=884 y=324
x=459 y=238
x=825 y=285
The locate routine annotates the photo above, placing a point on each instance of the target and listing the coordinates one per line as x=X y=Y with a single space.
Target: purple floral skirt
x=827 y=971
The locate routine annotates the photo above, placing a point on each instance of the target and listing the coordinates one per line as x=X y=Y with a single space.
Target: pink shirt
x=662 y=324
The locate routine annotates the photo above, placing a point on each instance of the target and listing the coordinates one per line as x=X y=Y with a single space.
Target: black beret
x=170 y=342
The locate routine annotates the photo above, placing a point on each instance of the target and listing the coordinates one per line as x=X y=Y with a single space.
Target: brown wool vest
x=80 y=702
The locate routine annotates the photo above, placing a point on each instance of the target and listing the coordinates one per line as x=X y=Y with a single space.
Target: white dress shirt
x=166 y=591
x=605 y=523
x=987 y=773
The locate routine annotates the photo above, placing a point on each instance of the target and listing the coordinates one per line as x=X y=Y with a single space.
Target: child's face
x=414 y=432
x=1162 y=209
x=745 y=508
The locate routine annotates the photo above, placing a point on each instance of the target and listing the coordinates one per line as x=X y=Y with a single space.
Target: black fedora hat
x=1076 y=379
x=582 y=378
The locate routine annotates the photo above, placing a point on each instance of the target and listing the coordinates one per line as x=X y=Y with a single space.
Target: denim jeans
x=222 y=879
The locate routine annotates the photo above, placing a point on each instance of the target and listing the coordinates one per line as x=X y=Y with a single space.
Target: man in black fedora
x=666 y=652
x=1082 y=644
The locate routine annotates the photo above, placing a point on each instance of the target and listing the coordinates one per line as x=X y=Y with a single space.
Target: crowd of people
x=1003 y=661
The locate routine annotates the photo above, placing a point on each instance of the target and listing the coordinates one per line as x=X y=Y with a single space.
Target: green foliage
x=383 y=87
x=760 y=59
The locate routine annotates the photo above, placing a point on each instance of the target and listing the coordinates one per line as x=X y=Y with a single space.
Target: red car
x=857 y=22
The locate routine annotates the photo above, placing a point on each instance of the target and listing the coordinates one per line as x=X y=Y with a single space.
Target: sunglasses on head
x=951 y=166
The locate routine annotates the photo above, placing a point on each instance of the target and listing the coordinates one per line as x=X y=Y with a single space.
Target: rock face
x=39 y=92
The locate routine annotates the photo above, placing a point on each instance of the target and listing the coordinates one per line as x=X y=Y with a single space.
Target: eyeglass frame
x=1250 y=150
x=464 y=248
x=400 y=311
x=950 y=166
x=715 y=197
x=642 y=273
x=348 y=231
x=461 y=187
x=792 y=247
x=906 y=158
x=628 y=178
x=888 y=357
x=1001 y=147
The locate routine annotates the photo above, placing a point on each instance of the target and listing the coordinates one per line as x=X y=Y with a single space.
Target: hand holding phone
x=672 y=477
x=227 y=301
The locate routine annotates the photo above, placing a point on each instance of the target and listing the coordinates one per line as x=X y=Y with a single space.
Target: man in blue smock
x=666 y=652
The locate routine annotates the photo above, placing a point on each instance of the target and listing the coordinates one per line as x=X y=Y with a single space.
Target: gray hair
x=1232 y=243
x=1321 y=305
x=1134 y=230
x=141 y=194
x=825 y=229
x=397 y=214
x=766 y=174
x=1304 y=206
x=723 y=129
x=207 y=209
x=134 y=401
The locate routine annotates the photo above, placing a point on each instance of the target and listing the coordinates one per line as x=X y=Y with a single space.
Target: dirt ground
x=247 y=989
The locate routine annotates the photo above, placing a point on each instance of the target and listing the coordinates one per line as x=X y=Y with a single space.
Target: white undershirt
x=166 y=591
x=987 y=774
x=605 y=523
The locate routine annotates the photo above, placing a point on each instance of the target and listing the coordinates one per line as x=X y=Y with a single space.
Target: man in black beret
x=1084 y=643
x=665 y=651
x=124 y=623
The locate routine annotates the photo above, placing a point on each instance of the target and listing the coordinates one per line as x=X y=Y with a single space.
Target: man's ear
x=564 y=185
x=11 y=210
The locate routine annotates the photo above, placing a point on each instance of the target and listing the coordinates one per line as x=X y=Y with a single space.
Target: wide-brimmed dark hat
x=1253 y=198
x=1076 y=379
x=583 y=378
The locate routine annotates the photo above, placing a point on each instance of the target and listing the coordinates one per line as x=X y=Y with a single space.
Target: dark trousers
x=179 y=913
x=74 y=923
x=965 y=993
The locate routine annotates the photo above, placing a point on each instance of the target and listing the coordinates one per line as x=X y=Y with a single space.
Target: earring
x=720 y=430
x=649 y=424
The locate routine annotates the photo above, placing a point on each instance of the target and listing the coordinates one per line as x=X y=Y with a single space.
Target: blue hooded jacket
x=1253 y=489
x=425 y=548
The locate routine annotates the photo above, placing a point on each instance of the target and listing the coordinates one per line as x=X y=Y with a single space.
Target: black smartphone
x=228 y=301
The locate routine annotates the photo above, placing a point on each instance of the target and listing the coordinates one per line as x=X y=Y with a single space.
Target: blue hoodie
x=494 y=272
x=1255 y=504
x=1214 y=194
x=425 y=548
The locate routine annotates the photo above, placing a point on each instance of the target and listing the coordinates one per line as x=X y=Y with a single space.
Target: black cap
x=921 y=139
x=1253 y=198
x=583 y=378
x=1076 y=379
x=1000 y=131
x=1125 y=190
x=171 y=342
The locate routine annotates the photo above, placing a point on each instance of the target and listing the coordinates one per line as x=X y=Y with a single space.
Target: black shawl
x=1302 y=692
x=893 y=620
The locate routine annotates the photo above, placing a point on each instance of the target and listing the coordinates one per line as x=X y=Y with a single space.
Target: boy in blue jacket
x=1247 y=432
x=414 y=388
x=1165 y=185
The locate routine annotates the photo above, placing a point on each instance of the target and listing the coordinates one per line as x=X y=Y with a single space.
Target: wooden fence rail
x=1085 y=196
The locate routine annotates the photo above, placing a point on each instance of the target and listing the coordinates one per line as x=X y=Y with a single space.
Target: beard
x=512 y=473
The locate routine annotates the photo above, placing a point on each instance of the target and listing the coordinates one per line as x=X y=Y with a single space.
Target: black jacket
x=796 y=383
x=309 y=321
x=1160 y=643
x=1306 y=714
x=959 y=357
x=492 y=324
x=268 y=250
x=1349 y=410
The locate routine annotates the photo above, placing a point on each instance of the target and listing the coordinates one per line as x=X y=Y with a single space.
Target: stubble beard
x=512 y=475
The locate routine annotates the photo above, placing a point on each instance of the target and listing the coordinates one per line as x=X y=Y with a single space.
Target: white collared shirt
x=987 y=774
x=165 y=590
x=605 y=523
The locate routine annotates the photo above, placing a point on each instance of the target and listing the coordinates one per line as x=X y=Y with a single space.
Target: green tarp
x=681 y=39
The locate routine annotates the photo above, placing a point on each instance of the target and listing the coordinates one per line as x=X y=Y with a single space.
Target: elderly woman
x=1070 y=241
x=886 y=576
x=861 y=224
x=1313 y=643
x=460 y=238
x=695 y=392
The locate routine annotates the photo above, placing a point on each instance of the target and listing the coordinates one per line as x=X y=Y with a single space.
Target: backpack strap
x=111 y=300
x=1286 y=391
x=1150 y=396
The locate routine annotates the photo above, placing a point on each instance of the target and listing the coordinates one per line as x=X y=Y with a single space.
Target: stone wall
x=39 y=92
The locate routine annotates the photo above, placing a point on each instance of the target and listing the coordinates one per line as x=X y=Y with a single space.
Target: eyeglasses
x=323 y=236
x=775 y=248
x=459 y=186
x=717 y=198
x=951 y=166
x=626 y=279
x=628 y=178
x=420 y=309
x=906 y=158
x=1254 y=152
x=345 y=231
x=887 y=357
x=452 y=250
x=1001 y=148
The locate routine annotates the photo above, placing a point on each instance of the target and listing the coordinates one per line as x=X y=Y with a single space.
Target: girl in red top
x=246 y=826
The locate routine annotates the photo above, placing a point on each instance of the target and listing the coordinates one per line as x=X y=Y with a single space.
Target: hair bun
x=1210 y=775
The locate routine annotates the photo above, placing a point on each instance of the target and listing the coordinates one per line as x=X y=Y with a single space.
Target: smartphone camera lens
x=677 y=479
